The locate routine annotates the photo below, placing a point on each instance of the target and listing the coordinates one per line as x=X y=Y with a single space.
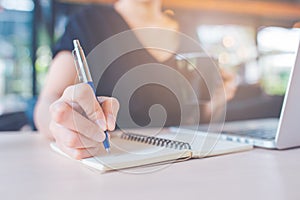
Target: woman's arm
x=61 y=74
x=70 y=114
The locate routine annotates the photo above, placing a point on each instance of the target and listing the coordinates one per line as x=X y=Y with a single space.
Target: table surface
x=30 y=170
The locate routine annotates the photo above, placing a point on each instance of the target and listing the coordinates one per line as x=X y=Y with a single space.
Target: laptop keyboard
x=266 y=134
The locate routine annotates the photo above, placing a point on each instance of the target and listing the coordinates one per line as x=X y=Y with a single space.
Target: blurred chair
x=16 y=113
x=13 y=121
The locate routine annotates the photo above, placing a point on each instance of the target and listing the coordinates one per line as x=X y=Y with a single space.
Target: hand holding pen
x=79 y=119
x=84 y=76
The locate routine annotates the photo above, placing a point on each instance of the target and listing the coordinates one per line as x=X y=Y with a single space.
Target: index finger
x=64 y=115
x=84 y=95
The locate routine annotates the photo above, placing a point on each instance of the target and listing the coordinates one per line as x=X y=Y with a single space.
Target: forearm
x=61 y=74
x=42 y=116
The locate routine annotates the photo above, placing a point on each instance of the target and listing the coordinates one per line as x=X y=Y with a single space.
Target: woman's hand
x=229 y=81
x=78 y=120
x=224 y=92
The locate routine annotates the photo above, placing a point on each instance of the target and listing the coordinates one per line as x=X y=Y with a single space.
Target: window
x=262 y=57
x=277 y=48
x=15 y=53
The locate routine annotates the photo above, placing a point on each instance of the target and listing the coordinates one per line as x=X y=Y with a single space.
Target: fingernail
x=99 y=137
x=102 y=124
x=111 y=120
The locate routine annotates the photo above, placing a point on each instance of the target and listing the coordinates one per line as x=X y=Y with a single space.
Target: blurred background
x=257 y=39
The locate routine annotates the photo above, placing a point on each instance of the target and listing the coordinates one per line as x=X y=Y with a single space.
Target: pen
x=84 y=76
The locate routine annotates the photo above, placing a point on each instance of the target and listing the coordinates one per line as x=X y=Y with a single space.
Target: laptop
x=270 y=133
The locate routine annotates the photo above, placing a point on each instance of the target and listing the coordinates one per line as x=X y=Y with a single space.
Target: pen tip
x=107 y=150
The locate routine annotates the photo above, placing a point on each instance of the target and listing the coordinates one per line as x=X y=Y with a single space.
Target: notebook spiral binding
x=162 y=142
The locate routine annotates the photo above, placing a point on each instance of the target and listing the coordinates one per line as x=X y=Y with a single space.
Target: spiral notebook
x=148 y=147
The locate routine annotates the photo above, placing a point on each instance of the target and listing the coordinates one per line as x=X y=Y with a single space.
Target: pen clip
x=77 y=66
x=81 y=63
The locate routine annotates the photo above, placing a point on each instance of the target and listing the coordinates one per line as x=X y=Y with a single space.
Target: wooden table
x=30 y=170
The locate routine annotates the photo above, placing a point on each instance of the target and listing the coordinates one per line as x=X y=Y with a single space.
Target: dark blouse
x=94 y=25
